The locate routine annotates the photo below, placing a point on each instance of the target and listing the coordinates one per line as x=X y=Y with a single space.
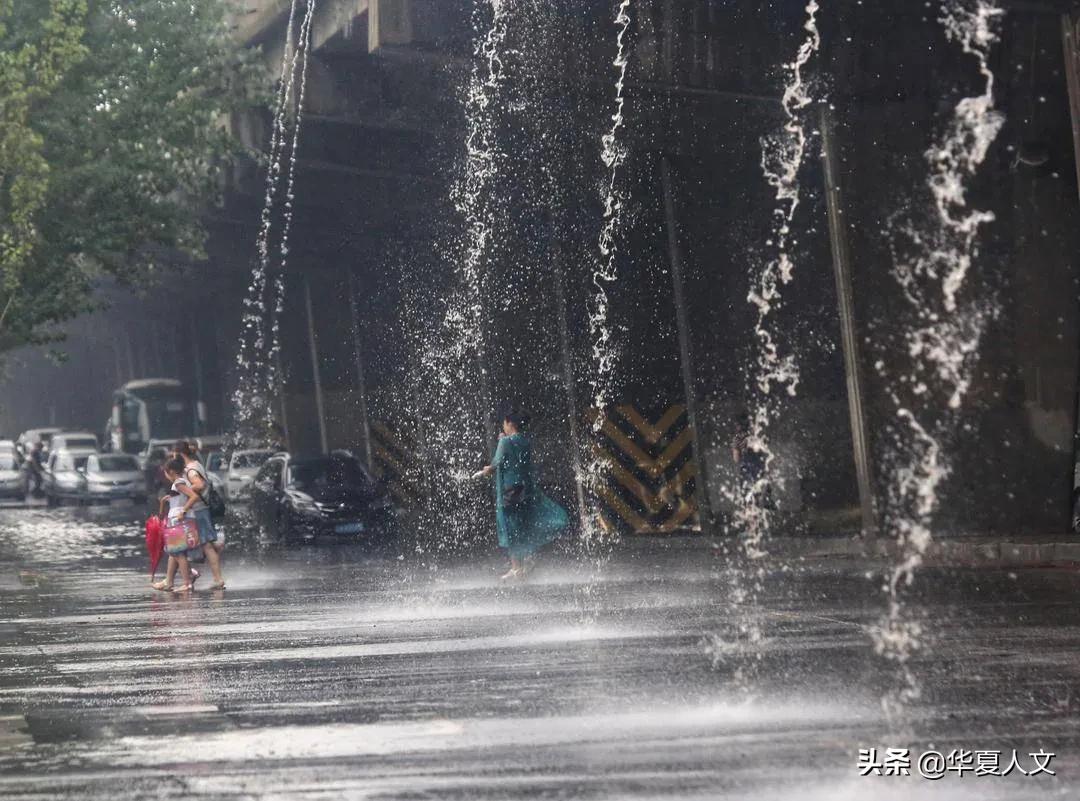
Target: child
x=179 y=499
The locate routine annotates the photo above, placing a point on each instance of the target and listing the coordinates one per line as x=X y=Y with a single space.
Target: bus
x=152 y=408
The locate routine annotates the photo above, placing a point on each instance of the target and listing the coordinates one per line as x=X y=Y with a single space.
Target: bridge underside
x=382 y=144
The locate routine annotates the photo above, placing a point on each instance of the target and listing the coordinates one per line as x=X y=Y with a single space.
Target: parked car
x=75 y=442
x=26 y=440
x=216 y=465
x=12 y=480
x=301 y=498
x=65 y=477
x=114 y=477
x=241 y=471
x=209 y=445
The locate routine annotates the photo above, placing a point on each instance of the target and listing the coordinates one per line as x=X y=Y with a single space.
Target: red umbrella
x=155 y=542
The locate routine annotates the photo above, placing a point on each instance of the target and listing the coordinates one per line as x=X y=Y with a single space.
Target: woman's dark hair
x=176 y=465
x=519 y=419
x=184 y=447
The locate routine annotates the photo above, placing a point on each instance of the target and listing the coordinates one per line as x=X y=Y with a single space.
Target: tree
x=113 y=138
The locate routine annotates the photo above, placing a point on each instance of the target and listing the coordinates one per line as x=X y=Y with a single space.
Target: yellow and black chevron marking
x=650 y=484
x=393 y=455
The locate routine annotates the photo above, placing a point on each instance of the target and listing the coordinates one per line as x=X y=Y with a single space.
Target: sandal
x=513 y=574
x=218 y=585
x=162 y=585
x=185 y=588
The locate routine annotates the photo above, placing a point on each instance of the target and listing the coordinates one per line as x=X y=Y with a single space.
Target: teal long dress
x=537 y=520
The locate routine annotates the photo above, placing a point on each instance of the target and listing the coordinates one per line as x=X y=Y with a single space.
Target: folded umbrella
x=155 y=542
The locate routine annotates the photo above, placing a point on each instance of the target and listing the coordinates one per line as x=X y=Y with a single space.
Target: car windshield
x=112 y=464
x=314 y=474
x=80 y=442
x=67 y=463
x=250 y=460
x=7 y=461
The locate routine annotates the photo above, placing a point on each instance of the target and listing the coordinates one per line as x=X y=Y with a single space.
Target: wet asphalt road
x=326 y=672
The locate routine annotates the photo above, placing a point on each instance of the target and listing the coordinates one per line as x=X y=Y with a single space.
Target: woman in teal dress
x=526 y=518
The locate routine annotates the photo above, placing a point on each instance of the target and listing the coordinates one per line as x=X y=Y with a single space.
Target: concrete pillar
x=1070 y=24
x=848 y=333
x=361 y=383
x=315 y=373
x=1070 y=28
x=281 y=398
x=389 y=23
x=567 y=355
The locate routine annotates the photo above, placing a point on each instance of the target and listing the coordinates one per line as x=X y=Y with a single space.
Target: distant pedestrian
x=35 y=465
x=525 y=517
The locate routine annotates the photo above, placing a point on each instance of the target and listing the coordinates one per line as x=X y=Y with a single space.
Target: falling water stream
x=931 y=265
x=472 y=193
x=782 y=157
x=452 y=357
x=257 y=371
x=605 y=271
x=304 y=49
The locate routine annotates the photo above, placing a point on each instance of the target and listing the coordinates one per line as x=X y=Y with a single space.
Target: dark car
x=297 y=497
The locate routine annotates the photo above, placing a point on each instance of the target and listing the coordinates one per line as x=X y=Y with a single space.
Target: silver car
x=114 y=477
x=81 y=442
x=65 y=477
x=12 y=481
x=243 y=465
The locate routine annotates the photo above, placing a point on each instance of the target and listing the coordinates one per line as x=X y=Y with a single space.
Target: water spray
x=944 y=342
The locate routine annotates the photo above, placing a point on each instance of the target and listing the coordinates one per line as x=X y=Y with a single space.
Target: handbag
x=181 y=536
x=513 y=496
x=213 y=500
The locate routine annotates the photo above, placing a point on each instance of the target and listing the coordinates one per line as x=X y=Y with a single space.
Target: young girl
x=180 y=498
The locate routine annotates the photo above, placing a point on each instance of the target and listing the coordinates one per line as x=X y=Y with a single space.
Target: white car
x=154 y=452
x=216 y=465
x=12 y=484
x=243 y=465
x=74 y=442
x=26 y=440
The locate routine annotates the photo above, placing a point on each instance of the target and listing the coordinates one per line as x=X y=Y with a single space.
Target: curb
x=942 y=552
x=968 y=552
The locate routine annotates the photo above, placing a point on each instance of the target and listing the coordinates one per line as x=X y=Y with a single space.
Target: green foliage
x=113 y=137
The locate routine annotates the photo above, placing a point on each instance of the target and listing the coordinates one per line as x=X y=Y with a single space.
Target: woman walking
x=197 y=476
x=179 y=500
x=526 y=518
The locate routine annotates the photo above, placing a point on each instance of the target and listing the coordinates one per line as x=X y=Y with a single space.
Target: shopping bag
x=181 y=536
